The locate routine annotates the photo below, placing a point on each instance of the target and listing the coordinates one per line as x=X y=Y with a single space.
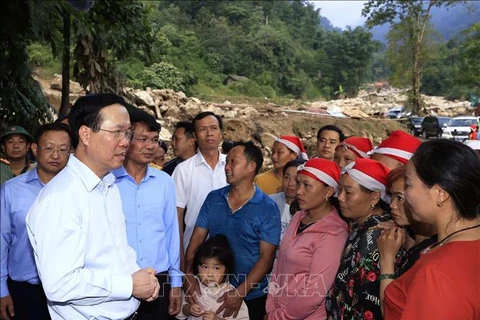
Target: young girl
x=213 y=261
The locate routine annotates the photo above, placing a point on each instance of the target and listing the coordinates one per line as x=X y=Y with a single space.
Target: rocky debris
x=263 y=123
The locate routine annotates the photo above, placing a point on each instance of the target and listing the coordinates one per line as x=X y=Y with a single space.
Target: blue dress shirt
x=151 y=219
x=16 y=256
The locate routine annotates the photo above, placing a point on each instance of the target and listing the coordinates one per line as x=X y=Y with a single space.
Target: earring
x=373 y=206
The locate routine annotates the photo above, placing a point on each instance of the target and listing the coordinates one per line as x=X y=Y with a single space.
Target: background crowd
x=99 y=226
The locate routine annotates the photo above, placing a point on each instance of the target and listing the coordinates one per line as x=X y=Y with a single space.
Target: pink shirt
x=306 y=268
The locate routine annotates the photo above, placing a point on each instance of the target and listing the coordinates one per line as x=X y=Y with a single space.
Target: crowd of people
x=99 y=226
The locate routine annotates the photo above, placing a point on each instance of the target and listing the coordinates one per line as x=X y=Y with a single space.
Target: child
x=213 y=261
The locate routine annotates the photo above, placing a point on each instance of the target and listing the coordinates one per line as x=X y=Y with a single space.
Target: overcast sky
x=342 y=13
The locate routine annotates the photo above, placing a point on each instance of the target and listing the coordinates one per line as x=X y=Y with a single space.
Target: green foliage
x=21 y=100
x=252 y=89
x=409 y=46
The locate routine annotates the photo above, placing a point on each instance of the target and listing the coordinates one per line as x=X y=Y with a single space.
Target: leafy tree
x=413 y=17
x=21 y=99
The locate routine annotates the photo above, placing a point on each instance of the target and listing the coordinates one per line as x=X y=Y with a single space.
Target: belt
x=133 y=316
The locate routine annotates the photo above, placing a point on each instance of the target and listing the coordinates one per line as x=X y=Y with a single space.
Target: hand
x=145 y=284
x=3 y=160
x=390 y=242
x=6 y=308
x=191 y=289
x=385 y=225
x=175 y=301
x=196 y=310
x=232 y=302
x=209 y=315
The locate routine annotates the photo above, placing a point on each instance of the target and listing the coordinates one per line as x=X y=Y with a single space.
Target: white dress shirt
x=194 y=179
x=77 y=230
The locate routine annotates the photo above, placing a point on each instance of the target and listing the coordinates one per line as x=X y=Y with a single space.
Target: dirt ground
x=265 y=128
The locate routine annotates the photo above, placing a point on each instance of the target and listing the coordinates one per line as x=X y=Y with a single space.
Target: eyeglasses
x=144 y=140
x=50 y=150
x=119 y=134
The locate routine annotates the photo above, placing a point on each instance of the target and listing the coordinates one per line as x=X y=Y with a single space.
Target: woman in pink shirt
x=309 y=254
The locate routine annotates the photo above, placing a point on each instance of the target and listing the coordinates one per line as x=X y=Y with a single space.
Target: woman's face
x=281 y=155
x=344 y=156
x=355 y=202
x=289 y=182
x=399 y=208
x=419 y=196
x=311 y=193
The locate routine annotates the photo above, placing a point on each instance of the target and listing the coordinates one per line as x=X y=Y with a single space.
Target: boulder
x=144 y=98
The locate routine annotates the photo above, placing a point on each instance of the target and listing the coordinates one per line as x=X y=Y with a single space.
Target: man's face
x=52 y=152
x=326 y=144
x=106 y=150
x=182 y=145
x=237 y=167
x=208 y=133
x=16 y=146
x=144 y=145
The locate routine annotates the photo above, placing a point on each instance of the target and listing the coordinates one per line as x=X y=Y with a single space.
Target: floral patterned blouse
x=355 y=293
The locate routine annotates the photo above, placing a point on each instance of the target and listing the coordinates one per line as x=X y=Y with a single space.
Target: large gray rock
x=144 y=98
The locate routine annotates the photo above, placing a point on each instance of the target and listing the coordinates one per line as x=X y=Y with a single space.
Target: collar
x=122 y=173
x=32 y=175
x=89 y=179
x=199 y=159
x=257 y=197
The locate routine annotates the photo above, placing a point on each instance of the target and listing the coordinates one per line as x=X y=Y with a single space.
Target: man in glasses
x=20 y=287
x=76 y=225
x=148 y=198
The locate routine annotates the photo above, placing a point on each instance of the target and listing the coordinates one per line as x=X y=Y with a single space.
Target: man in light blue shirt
x=21 y=292
x=149 y=205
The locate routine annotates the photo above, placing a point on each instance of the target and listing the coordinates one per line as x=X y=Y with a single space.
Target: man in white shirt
x=76 y=225
x=196 y=177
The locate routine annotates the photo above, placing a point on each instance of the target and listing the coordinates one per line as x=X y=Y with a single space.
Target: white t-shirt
x=284 y=208
x=194 y=179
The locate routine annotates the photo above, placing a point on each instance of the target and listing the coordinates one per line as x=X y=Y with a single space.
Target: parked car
x=415 y=125
x=433 y=126
x=459 y=127
x=394 y=113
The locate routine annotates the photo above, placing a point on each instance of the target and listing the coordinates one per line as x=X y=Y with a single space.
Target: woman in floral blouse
x=363 y=199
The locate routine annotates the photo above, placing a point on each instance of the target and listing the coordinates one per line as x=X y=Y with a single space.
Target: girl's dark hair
x=455 y=167
x=293 y=163
x=217 y=247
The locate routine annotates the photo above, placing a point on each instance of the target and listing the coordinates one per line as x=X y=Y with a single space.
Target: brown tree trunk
x=65 y=105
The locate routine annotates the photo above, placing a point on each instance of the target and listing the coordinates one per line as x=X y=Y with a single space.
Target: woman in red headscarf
x=310 y=251
x=351 y=149
x=285 y=149
x=363 y=199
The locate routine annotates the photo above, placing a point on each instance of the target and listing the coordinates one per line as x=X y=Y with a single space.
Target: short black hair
x=55 y=126
x=205 y=114
x=455 y=167
x=252 y=153
x=87 y=112
x=331 y=127
x=293 y=163
x=217 y=247
x=139 y=115
x=227 y=145
x=188 y=128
